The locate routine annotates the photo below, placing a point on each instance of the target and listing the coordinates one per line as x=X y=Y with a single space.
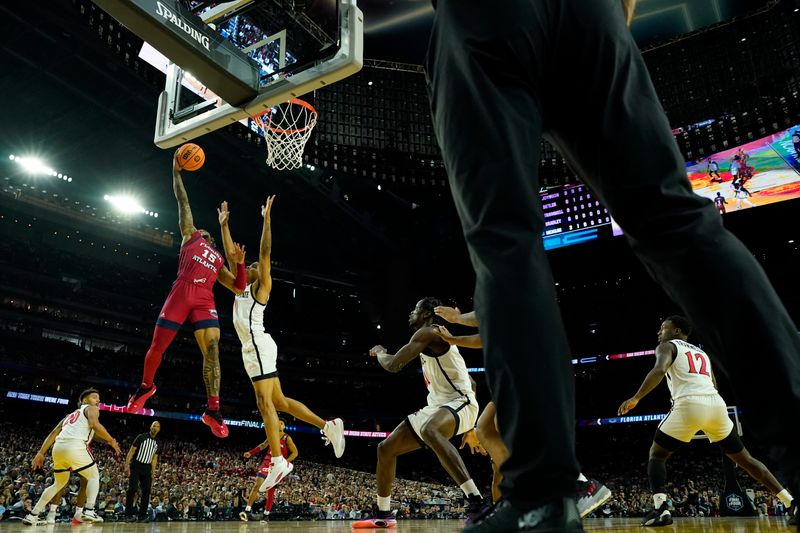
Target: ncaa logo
x=734 y=502
x=214 y=313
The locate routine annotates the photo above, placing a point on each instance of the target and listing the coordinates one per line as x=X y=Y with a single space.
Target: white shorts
x=261 y=358
x=465 y=411
x=690 y=414
x=71 y=455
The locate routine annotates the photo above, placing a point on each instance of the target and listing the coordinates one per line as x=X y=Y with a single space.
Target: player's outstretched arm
x=455 y=316
x=223 y=215
x=292 y=449
x=255 y=451
x=185 y=219
x=265 y=253
x=394 y=363
x=467 y=341
x=236 y=284
x=664 y=355
x=93 y=414
x=38 y=459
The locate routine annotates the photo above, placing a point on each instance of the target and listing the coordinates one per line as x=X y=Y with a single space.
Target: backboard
x=227 y=61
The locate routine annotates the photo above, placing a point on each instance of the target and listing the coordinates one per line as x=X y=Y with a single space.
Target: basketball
x=190 y=157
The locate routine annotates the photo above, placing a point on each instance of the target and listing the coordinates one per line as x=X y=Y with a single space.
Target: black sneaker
x=658 y=517
x=591 y=495
x=792 y=513
x=477 y=509
x=557 y=516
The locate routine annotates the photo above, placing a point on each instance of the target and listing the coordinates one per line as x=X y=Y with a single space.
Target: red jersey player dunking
x=288 y=451
x=199 y=266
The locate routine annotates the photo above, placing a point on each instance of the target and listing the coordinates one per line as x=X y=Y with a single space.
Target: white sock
x=248 y=508
x=78 y=512
x=582 y=478
x=53 y=508
x=659 y=499
x=469 y=488
x=278 y=459
x=266 y=513
x=785 y=498
x=384 y=503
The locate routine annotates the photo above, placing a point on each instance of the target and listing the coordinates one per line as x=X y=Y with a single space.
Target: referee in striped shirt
x=140 y=465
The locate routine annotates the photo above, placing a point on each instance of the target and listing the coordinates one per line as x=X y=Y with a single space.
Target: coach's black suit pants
x=504 y=73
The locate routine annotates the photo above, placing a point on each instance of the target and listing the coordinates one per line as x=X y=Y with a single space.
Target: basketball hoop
x=286 y=128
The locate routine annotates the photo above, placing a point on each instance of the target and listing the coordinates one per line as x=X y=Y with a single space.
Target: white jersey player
x=452 y=410
x=696 y=406
x=69 y=440
x=260 y=353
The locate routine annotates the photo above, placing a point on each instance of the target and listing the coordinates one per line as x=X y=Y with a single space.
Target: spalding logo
x=734 y=502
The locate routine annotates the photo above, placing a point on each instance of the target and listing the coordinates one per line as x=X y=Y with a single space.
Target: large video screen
x=761 y=172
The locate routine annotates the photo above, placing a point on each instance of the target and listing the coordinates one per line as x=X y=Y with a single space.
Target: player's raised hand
x=223 y=214
x=444 y=334
x=451 y=314
x=38 y=461
x=470 y=439
x=377 y=350
x=237 y=254
x=175 y=167
x=627 y=405
x=267 y=208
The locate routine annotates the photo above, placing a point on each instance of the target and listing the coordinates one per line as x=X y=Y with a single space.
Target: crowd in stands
x=195 y=481
x=202 y=483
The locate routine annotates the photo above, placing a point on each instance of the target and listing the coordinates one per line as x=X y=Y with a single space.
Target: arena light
x=33 y=165
x=124 y=204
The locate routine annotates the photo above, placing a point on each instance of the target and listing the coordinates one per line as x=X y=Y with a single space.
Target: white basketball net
x=286 y=128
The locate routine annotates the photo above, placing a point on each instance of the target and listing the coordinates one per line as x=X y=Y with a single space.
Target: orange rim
x=264 y=126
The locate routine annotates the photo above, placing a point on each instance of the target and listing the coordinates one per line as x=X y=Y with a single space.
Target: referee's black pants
x=504 y=73
x=141 y=476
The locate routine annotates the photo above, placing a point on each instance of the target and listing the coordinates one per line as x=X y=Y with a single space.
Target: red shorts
x=188 y=300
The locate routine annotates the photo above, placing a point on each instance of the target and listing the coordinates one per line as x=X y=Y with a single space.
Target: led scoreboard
x=573 y=215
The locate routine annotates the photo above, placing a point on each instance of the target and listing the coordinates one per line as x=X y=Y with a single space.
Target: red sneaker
x=136 y=403
x=376 y=523
x=214 y=420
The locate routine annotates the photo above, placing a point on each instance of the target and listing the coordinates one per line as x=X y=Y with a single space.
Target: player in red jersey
x=288 y=451
x=199 y=266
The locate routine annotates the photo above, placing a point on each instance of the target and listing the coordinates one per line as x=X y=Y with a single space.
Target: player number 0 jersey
x=248 y=319
x=690 y=372
x=446 y=377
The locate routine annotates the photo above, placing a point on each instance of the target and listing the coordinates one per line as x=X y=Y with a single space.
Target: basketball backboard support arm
x=348 y=60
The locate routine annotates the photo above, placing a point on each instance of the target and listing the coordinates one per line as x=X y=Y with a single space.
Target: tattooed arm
x=185 y=219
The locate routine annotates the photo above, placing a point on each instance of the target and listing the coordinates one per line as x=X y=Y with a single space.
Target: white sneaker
x=31 y=520
x=277 y=473
x=334 y=434
x=90 y=516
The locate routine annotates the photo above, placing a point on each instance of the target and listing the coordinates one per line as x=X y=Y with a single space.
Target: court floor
x=704 y=525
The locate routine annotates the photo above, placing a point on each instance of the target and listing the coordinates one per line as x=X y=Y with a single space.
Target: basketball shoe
x=384 y=519
x=477 y=510
x=591 y=495
x=137 y=401
x=31 y=520
x=213 y=419
x=277 y=472
x=89 y=515
x=558 y=515
x=247 y=516
x=333 y=433
x=658 y=517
